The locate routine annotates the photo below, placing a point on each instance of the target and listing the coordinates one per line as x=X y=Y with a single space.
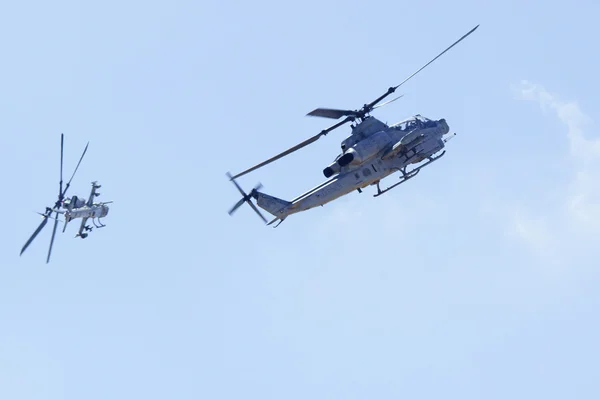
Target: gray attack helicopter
x=73 y=207
x=373 y=151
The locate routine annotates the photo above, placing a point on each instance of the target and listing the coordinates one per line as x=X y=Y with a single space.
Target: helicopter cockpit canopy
x=76 y=201
x=416 y=121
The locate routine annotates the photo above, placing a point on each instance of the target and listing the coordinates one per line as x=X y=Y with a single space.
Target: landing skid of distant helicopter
x=88 y=228
x=408 y=175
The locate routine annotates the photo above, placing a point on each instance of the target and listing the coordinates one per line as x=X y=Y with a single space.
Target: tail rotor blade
x=52 y=239
x=236 y=184
x=245 y=198
x=237 y=205
x=258 y=212
x=37 y=231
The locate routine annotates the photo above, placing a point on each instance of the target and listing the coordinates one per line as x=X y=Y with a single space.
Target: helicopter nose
x=445 y=126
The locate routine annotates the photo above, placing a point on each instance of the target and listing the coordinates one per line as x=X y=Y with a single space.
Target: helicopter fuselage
x=95 y=211
x=373 y=152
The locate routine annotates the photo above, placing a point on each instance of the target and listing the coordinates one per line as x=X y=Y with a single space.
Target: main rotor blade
x=62 y=195
x=37 y=231
x=297 y=147
x=52 y=239
x=393 y=88
x=60 y=189
x=388 y=102
x=331 y=113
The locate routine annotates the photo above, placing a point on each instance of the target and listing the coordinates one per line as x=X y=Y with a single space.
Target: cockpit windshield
x=417 y=121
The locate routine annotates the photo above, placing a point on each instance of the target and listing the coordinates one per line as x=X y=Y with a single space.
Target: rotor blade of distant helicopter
x=47 y=216
x=62 y=195
x=331 y=113
x=297 y=147
x=38 y=230
x=52 y=239
x=393 y=89
x=60 y=185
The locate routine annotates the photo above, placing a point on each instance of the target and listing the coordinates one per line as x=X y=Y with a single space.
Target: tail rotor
x=246 y=198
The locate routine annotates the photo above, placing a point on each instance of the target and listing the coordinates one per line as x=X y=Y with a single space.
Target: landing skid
x=99 y=222
x=404 y=178
x=280 y=221
x=408 y=175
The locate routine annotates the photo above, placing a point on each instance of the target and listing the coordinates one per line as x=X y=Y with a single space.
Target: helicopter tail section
x=273 y=205
x=246 y=198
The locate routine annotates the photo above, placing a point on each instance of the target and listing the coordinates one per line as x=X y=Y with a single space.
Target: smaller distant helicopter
x=74 y=207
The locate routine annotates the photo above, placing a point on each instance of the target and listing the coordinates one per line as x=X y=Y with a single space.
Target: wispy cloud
x=570 y=114
x=533 y=230
x=578 y=215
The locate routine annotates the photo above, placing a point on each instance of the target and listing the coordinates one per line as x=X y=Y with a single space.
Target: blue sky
x=477 y=279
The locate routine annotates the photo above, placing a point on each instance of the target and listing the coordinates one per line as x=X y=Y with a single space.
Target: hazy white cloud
x=584 y=200
x=533 y=230
x=570 y=114
x=570 y=224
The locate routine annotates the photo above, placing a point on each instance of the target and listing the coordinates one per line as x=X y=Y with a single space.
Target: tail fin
x=275 y=206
